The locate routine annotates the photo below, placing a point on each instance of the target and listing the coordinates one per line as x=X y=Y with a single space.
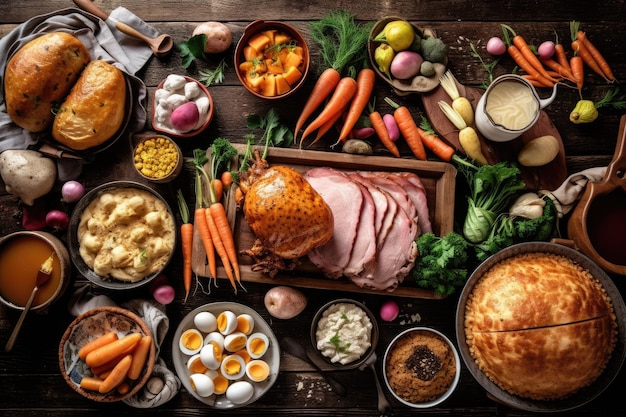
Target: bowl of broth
x=21 y=256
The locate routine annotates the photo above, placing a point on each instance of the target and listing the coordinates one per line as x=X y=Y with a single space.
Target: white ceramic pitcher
x=490 y=128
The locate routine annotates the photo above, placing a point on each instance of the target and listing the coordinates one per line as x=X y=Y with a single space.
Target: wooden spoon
x=599 y=209
x=43 y=276
x=161 y=45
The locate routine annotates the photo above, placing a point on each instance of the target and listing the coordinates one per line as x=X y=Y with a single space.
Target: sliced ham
x=417 y=193
x=395 y=190
x=344 y=197
x=363 y=254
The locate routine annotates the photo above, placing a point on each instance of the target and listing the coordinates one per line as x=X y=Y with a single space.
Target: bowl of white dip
x=344 y=333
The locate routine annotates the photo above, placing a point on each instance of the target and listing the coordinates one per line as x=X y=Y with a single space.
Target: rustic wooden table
x=29 y=376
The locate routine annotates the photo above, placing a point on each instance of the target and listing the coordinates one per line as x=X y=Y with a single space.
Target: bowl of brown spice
x=421 y=367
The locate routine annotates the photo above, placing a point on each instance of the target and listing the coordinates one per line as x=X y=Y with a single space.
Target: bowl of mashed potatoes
x=121 y=235
x=344 y=333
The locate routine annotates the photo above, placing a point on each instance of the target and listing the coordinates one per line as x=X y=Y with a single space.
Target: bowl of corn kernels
x=157 y=158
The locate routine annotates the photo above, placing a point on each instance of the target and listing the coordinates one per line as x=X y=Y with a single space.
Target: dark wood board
x=547 y=177
x=438 y=179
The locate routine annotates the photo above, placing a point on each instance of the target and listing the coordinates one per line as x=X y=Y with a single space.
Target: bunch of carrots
x=209 y=217
x=343 y=46
x=545 y=72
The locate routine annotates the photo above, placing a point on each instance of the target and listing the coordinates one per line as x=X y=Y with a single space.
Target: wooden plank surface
x=29 y=376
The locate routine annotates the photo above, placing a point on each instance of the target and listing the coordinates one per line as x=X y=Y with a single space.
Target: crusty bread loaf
x=40 y=75
x=540 y=326
x=94 y=110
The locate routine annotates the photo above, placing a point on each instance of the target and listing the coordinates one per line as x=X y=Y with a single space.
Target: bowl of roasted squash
x=272 y=59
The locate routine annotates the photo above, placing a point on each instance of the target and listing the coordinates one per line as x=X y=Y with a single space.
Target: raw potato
x=218 y=36
x=284 y=302
x=539 y=151
x=27 y=174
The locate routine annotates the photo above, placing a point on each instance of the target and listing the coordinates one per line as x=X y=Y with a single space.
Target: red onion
x=389 y=311
x=72 y=191
x=57 y=219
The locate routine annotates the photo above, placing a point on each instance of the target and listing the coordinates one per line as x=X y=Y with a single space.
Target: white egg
x=195 y=365
x=257 y=370
x=233 y=367
x=216 y=339
x=235 y=341
x=240 y=392
x=190 y=342
x=257 y=345
x=226 y=322
x=205 y=321
x=245 y=324
x=202 y=384
x=211 y=356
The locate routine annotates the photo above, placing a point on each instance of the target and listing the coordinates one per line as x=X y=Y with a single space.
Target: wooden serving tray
x=547 y=177
x=438 y=179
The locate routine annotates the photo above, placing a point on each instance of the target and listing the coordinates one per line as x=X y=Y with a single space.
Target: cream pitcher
x=509 y=107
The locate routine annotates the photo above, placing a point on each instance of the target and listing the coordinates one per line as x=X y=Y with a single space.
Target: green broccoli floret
x=441 y=263
x=434 y=49
x=540 y=228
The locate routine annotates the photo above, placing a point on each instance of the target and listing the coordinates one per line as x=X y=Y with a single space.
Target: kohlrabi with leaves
x=492 y=190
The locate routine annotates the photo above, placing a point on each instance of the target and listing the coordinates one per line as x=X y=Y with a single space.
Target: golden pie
x=540 y=326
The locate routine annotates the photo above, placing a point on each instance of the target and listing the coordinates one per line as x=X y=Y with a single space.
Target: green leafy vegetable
x=221 y=153
x=192 y=49
x=275 y=133
x=442 y=263
x=342 y=42
x=216 y=76
x=492 y=190
x=509 y=230
x=489 y=68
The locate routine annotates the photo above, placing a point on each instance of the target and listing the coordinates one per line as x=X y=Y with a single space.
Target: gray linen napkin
x=103 y=42
x=570 y=191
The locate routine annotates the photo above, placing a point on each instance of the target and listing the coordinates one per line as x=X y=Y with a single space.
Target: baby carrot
x=381 y=131
x=96 y=343
x=578 y=71
x=139 y=356
x=596 y=55
x=556 y=66
x=110 y=351
x=436 y=145
x=117 y=375
x=365 y=85
x=90 y=383
x=186 y=240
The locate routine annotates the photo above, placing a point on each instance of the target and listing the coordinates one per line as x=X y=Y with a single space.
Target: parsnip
x=459 y=103
x=467 y=135
x=539 y=151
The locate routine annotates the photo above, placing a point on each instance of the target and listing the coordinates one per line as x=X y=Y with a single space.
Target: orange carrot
x=538 y=81
x=324 y=85
x=117 y=375
x=436 y=145
x=90 y=383
x=205 y=236
x=186 y=240
x=561 y=70
x=383 y=134
x=327 y=126
x=123 y=388
x=139 y=357
x=226 y=235
x=532 y=59
x=365 y=85
x=523 y=63
x=96 y=343
x=561 y=56
x=344 y=92
x=581 y=51
x=576 y=64
x=220 y=249
x=218 y=188
x=110 y=351
x=596 y=55
x=227 y=179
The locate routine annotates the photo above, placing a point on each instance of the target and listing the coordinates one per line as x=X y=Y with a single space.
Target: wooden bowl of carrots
x=107 y=354
x=272 y=59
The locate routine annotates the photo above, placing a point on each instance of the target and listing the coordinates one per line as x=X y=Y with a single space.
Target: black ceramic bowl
x=580 y=397
x=74 y=245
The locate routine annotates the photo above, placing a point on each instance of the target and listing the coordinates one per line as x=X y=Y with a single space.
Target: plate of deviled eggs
x=225 y=354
